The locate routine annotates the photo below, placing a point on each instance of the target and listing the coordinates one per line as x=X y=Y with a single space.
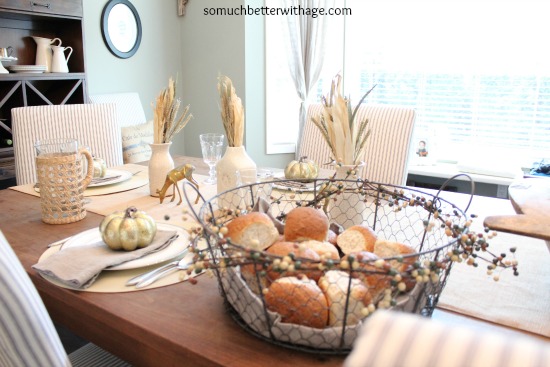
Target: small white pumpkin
x=302 y=169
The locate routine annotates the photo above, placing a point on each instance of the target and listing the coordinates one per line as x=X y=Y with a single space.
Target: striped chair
x=27 y=334
x=94 y=126
x=398 y=339
x=388 y=146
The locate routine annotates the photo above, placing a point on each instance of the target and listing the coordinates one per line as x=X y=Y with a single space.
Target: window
x=477 y=72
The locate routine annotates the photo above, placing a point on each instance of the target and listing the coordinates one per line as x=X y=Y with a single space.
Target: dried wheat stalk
x=232 y=112
x=166 y=123
x=345 y=137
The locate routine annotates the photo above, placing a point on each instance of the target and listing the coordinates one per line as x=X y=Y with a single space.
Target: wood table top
x=530 y=198
x=181 y=324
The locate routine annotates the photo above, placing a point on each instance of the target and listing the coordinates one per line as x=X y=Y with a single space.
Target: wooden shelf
x=20 y=20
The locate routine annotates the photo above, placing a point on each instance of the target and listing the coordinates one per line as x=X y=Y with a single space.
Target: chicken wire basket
x=432 y=226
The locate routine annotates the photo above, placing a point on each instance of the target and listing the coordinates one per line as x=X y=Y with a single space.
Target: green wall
x=195 y=48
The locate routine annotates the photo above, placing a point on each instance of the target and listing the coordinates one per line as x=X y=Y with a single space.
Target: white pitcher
x=59 y=61
x=44 y=51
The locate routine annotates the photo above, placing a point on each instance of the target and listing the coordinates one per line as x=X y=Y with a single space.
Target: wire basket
x=410 y=283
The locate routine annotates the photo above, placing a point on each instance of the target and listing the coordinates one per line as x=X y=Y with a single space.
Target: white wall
x=197 y=48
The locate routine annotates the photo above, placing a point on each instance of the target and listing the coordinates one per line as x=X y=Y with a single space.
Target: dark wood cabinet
x=19 y=21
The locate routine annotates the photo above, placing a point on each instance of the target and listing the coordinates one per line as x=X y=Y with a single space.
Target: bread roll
x=385 y=249
x=298 y=301
x=334 y=285
x=356 y=238
x=374 y=278
x=306 y=223
x=253 y=230
x=285 y=249
x=323 y=249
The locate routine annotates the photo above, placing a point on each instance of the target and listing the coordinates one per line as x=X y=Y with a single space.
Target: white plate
x=293 y=185
x=174 y=249
x=124 y=175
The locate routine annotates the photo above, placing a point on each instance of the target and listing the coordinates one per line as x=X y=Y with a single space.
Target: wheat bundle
x=232 y=112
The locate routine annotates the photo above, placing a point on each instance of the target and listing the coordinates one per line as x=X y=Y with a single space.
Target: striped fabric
x=93 y=125
x=91 y=355
x=27 y=334
x=394 y=339
x=129 y=109
x=388 y=146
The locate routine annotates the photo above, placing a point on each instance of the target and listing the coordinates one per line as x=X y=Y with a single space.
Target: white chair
x=94 y=126
x=27 y=334
x=388 y=146
x=129 y=109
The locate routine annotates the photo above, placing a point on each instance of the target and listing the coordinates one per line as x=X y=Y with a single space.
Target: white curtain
x=307 y=42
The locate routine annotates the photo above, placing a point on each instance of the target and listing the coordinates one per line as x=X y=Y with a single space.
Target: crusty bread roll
x=334 y=285
x=253 y=230
x=356 y=238
x=298 y=301
x=385 y=249
x=374 y=278
x=299 y=252
x=306 y=223
x=323 y=249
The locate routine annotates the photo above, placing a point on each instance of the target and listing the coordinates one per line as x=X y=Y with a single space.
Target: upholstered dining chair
x=27 y=334
x=137 y=134
x=92 y=125
x=388 y=146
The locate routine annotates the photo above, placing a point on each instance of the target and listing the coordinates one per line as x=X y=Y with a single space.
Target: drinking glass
x=211 y=145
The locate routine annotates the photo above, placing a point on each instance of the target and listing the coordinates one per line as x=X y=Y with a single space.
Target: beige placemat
x=521 y=302
x=140 y=179
x=167 y=211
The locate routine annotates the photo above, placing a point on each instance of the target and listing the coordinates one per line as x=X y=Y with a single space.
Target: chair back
x=27 y=334
x=388 y=146
x=129 y=109
x=93 y=125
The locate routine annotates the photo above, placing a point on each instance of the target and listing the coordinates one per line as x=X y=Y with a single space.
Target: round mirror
x=121 y=28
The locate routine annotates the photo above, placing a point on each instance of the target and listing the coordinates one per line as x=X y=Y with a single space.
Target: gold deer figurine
x=177 y=174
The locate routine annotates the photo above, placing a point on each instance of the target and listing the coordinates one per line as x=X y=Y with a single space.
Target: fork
x=60 y=242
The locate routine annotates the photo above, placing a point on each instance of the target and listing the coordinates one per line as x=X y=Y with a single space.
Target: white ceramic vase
x=234 y=159
x=349 y=209
x=160 y=164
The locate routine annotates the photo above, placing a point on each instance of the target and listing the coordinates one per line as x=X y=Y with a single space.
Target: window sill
x=447 y=170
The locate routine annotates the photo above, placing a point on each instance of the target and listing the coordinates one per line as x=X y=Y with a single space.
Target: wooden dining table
x=182 y=324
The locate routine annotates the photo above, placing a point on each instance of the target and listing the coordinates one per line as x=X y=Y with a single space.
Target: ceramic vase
x=349 y=209
x=234 y=159
x=160 y=164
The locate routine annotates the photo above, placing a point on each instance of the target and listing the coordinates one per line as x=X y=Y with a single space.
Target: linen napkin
x=263 y=206
x=78 y=267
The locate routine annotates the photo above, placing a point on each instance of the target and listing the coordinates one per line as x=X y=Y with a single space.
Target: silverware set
x=148 y=278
